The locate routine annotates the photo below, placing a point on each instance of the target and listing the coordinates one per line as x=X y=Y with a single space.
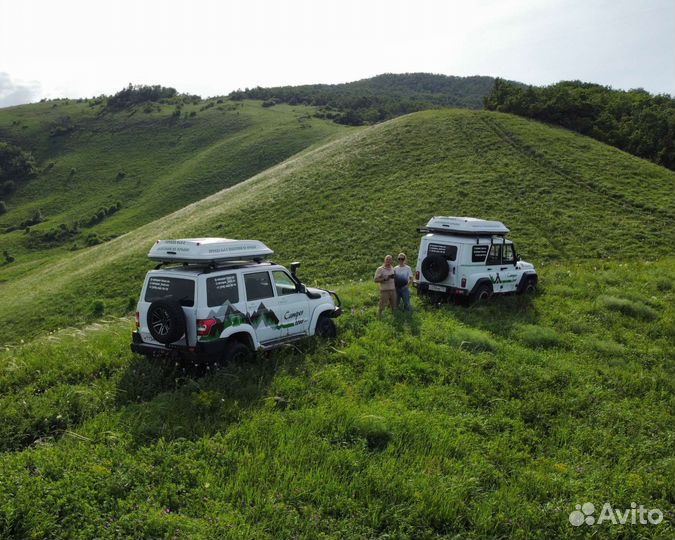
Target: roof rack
x=209 y=251
x=465 y=226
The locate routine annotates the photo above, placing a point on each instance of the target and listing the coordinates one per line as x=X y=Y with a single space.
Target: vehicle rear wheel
x=435 y=268
x=325 y=328
x=482 y=294
x=166 y=321
x=236 y=351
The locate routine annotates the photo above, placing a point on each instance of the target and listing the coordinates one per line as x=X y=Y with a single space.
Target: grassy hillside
x=489 y=422
x=492 y=421
x=145 y=158
x=341 y=207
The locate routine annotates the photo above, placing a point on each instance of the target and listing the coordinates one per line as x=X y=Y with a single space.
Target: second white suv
x=470 y=258
x=221 y=299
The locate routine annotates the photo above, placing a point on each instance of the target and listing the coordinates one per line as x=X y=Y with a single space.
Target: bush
x=121 y=174
x=3 y=207
x=97 y=308
x=632 y=308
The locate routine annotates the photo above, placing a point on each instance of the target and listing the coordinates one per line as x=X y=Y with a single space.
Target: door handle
x=503 y=268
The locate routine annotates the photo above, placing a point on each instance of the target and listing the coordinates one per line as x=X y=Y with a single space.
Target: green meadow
x=491 y=421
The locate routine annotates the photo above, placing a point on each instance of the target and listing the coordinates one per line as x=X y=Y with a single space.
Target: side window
x=221 y=289
x=283 y=283
x=479 y=252
x=494 y=257
x=180 y=289
x=258 y=286
x=448 y=251
x=508 y=256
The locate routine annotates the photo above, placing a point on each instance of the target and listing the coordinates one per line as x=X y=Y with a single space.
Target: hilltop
x=381 y=97
x=341 y=206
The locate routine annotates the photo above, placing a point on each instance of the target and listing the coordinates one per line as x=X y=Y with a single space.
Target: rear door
x=449 y=253
x=166 y=286
x=293 y=306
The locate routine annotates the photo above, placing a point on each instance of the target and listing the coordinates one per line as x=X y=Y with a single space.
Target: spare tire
x=435 y=268
x=166 y=320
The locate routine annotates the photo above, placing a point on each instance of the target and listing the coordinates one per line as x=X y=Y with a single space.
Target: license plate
x=436 y=288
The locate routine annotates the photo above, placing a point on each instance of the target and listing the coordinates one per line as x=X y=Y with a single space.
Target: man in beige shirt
x=384 y=275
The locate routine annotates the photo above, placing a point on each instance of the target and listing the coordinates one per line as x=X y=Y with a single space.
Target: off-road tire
x=325 y=328
x=482 y=293
x=530 y=286
x=166 y=321
x=435 y=268
x=236 y=351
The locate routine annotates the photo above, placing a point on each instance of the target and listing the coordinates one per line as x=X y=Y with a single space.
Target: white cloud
x=17 y=92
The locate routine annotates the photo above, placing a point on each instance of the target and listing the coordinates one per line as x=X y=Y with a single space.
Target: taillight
x=204 y=326
x=417 y=275
x=138 y=320
x=463 y=283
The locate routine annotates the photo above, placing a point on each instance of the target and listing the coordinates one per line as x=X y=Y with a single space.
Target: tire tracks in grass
x=617 y=199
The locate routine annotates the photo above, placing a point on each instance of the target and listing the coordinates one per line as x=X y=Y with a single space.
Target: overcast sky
x=82 y=48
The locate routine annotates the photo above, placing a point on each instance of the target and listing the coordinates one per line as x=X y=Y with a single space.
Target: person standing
x=384 y=276
x=402 y=282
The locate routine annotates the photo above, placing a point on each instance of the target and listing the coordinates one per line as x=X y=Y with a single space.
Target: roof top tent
x=208 y=251
x=464 y=226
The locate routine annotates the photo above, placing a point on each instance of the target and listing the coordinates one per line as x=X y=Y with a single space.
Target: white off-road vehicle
x=470 y=258
x=211 y=298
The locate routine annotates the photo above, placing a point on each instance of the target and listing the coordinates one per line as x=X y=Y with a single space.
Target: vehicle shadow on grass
x=500 y=315
x=164 y=400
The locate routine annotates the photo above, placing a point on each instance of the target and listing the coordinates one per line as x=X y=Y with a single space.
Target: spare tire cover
x=166 y=320
x=435 y=268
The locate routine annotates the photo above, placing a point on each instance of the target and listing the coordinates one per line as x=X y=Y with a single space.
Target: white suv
x=221 y=299
x=470 y=258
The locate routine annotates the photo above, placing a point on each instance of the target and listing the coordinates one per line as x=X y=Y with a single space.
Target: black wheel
x=166 y=321
x=236 y=351
x=325 y=328
x=530 y=286
x=482 y=293
x=435 y=268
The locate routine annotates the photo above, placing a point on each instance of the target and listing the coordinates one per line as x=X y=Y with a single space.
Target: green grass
x=481 y=422
x=340 y=207
x=394 y=430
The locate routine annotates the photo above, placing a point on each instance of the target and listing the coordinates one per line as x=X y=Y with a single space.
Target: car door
x=507 y=270
x=262 y=309
x=293 y=306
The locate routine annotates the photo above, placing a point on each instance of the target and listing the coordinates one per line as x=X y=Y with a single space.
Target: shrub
x=3 y=207
x=632 y=308
x=538 y=337
x=121 y=174
x=97 y=308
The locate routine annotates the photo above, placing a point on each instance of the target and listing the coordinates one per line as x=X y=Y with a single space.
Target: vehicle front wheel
x=530 y=286
x=482 y=293
x=236 y=351
x=325 y=328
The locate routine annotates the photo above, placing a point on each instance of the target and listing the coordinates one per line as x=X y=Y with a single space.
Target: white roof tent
x=464 y=226
x=208 y=251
